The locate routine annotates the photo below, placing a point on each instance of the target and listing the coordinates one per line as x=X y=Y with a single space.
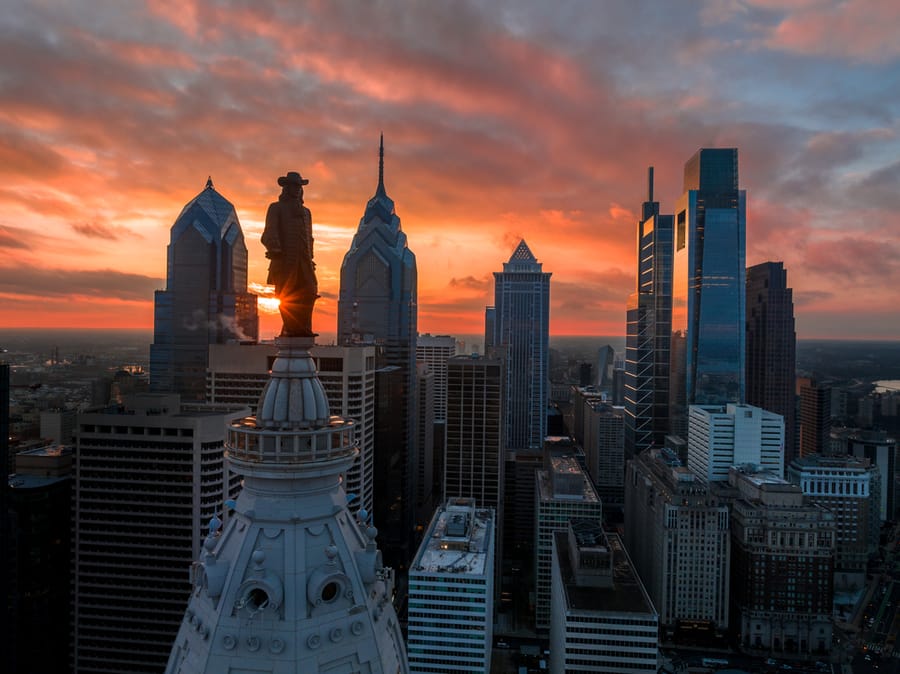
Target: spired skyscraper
x=288 y=579
x=377 y=305
x=206 y=300
x=708 y=294
x=522 y=331
x=648 y=331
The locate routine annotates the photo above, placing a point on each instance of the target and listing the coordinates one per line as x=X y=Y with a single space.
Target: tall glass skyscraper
x=772 y=347
x=206 y=300
x=522 y=330
x=708 y=294
x=377 y=305
x=648 y=331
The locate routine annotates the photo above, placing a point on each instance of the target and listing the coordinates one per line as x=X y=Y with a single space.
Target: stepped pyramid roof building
x=377 y=305
x=206 y=300
x=522 y=329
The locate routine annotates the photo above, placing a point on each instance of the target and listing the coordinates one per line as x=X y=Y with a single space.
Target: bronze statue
x=289 y=245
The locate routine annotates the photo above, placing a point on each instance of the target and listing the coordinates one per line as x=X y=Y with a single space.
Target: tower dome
x=289 y=580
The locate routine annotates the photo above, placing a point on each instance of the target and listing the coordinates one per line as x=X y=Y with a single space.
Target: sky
x=501 y=121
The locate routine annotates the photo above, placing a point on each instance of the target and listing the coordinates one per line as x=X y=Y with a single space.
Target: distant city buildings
x=729 y=435
x=648 y=332
x=522 y=330
x=206 y=300
x=602 y=619
x=708 y=287
x=771 y=364
x=451 y=591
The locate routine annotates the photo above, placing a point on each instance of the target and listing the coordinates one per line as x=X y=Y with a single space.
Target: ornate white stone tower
x=292 y=582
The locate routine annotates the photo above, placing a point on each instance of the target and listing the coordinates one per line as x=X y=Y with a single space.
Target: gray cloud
x=102 y=283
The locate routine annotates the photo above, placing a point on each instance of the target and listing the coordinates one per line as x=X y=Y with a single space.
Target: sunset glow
x=501 y=122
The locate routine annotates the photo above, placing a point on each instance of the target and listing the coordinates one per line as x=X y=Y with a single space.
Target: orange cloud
x=536 y=124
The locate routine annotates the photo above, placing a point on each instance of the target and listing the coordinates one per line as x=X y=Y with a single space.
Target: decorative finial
x=381 y=164
x=209 y=184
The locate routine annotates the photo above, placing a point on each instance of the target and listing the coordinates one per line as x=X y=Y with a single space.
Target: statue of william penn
x=289 y=245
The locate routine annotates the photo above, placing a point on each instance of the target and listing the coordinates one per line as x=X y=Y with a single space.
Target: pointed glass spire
x=380 y=190
x=380 y=206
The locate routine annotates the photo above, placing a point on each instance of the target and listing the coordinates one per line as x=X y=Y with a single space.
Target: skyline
x=502 y=122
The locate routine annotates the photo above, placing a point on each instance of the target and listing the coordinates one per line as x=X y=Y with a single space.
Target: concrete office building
x=39 y=598
x=604 y=451
x=582 y=397
x=677 y=535
x=436 y=350
x=602 y=618
x=881 y=450
x=146 y=474
x=721 y=437
x=451 y=591
x=563 y=492
x=782 y=565
x=425 y=497
x=850 y=487
x=58 y=426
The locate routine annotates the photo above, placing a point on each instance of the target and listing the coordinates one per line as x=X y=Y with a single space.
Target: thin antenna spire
x=381 y=164
x=649 y=183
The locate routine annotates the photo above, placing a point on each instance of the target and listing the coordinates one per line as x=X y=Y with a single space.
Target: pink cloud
x=860 y=30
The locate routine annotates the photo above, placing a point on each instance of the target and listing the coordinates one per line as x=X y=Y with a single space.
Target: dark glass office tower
x=772 y=346
x=708 y=292
x=522 y=330
x=206 y=300
x=648 y=331
x=377 y=305
x=815 y=418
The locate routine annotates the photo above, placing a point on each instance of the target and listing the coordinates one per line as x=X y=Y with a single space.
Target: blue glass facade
x=206 y=300
x=377 y=305
x=648 y=328
x=708 y=290
x=522 y=331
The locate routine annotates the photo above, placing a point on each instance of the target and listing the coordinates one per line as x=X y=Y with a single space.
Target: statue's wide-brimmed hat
x=292 y=178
